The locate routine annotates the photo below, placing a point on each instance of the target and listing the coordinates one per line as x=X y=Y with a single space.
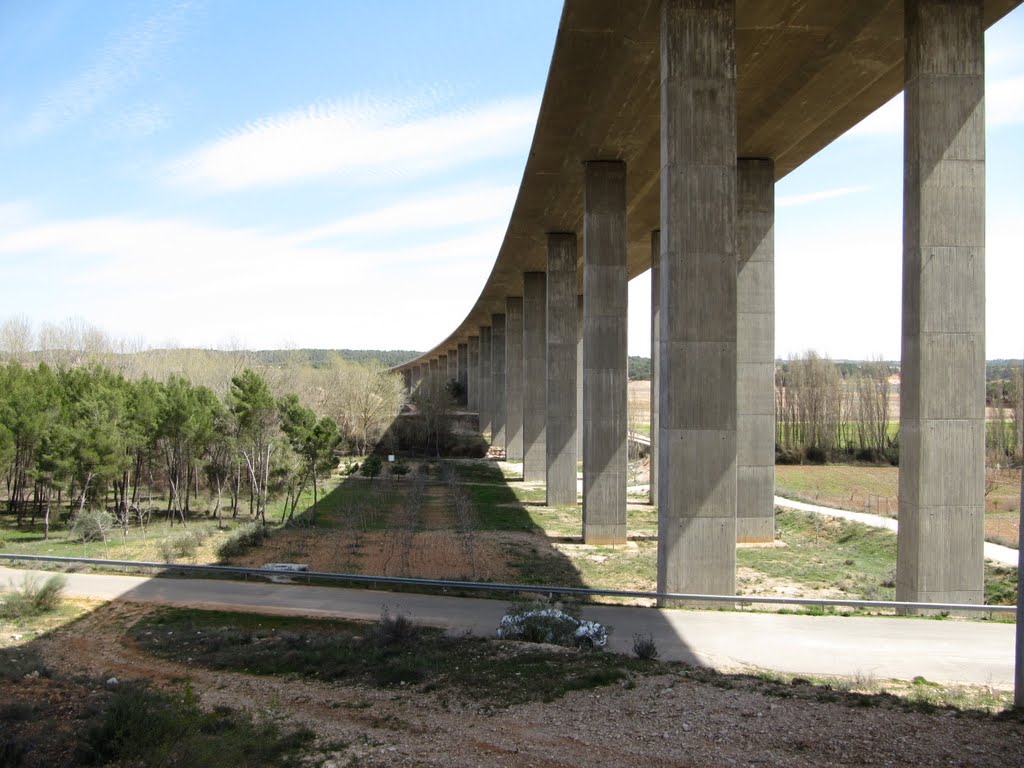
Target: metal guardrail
x=481 y=586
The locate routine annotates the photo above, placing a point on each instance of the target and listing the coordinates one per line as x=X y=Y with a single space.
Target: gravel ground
x=679 y=719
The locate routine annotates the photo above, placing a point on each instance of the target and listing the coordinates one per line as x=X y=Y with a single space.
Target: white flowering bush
x=550 y=625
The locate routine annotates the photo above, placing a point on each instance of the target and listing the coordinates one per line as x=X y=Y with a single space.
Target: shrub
x=186 y=545
x=372 y=466
x=242 y=540
x=644 y=647
x=167 y=551
x=33 y=598
x=393 y=630
x=399 y=468
x=350 y=468
x=92 y=525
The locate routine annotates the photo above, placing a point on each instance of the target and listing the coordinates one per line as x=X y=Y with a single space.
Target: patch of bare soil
x=670 y=720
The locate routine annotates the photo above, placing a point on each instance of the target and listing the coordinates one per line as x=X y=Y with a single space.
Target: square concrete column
x=463 y=373
x=486 y=382
x=942 y=398
x=697 y=383
x=579 y=377
x=514 y=378
x=652 y=455
x=498 y=380
x=473 y=372
x=453 y=365
x=407 y=379
x=755 y=350
x=534 y=376
x=560 y=435
x=442 y=368
x=605 y=299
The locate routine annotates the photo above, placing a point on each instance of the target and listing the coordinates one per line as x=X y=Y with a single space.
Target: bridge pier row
x=605 y=299
x=942 y=408
x=652 y=454
x=534 y=376
x=514 y=378
x=473 y=372
x=755 y=350
x=497 y=389
x=560 y=433
x=486 y=381
x=463 y=370
x=697 y=386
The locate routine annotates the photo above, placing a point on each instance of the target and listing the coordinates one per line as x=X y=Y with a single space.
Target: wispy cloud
x=787 y=201
x=233 y=280
x=118 y=65
x=449 y=210
x=360 y=140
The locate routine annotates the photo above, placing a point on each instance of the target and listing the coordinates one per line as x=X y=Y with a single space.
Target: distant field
x=875 y=489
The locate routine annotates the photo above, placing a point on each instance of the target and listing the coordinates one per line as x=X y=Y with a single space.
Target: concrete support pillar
x=560 y=436
x=942 y=399
x=486 y=382
x=514 y=378
x=498 y=380
x=473 y=372
x=435 y=367
x=605 y=299
x=463 y=372
x=652 y=494
x=697 y=388
x=579 y=377
x=534 y=377
x=755 y=350
x=407 y=379
x=442 y=368
x=453 y=365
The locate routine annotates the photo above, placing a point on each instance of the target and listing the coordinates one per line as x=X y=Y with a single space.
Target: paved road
x=946 y=651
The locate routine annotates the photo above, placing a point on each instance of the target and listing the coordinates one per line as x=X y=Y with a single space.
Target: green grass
x=823 y=553
x=32 y=598
x=417 y=658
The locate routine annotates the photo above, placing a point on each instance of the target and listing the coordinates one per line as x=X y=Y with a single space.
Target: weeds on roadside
x=33 y=598
x=141 y=726
x=644 y=647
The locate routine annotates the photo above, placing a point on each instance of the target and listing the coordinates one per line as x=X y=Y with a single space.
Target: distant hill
x=320 y=358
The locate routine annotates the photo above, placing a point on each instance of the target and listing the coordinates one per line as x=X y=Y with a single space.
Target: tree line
x=89 y=437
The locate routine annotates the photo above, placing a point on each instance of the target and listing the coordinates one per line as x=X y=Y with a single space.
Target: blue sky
x=340 y=174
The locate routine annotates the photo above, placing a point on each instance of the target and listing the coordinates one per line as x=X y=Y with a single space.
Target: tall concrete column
x=605 y=299
x=463 y=373
x=755 y=350
x=652 y=456
x=942 y=398
x=560 y=436
x=486 y=382
x=534 y=377
x=407 y=379
x=453 y=365
x=473 y=373
x=498 y=380
x=514 y=378
x=435 y=367
x=442 y=368
x=579 y=377
x=697 y=387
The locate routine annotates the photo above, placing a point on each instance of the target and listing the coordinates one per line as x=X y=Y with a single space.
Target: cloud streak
x=359 y=141
x=117 y=66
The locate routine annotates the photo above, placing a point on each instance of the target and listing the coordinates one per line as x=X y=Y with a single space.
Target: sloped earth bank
x=668 y=720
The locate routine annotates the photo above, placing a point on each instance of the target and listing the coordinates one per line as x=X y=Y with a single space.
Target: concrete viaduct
x=663 y=128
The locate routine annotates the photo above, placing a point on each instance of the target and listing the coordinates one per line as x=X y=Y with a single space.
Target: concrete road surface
x=950 y=651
